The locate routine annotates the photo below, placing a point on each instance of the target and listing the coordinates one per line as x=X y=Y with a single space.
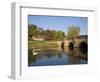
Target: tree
x=54 y=34
x=35 y=31
x=40 y=31
x=73 y=31
x=48 y=34
x=60 y=35
x=31 y=30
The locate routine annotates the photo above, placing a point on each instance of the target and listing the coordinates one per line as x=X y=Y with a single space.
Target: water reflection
x=59 y=56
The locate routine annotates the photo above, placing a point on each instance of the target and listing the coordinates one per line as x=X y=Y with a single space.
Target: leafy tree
x=73 y=31
x=54 y=34
x=48 y=34
x=60 y=35
x=31 y=30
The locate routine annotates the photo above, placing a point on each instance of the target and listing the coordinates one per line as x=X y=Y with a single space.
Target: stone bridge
x=77 y=41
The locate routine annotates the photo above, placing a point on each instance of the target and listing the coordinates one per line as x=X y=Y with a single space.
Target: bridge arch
x=78 y=41
x=83 y=44
x=71 y=44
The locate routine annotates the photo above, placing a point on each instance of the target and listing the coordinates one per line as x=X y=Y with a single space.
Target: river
x=57 y=56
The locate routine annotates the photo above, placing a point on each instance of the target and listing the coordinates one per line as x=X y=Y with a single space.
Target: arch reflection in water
x=66 y=56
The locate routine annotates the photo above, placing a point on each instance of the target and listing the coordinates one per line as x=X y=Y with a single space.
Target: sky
x=59 y=22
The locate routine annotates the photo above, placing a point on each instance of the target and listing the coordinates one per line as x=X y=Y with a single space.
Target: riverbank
x=42 y=44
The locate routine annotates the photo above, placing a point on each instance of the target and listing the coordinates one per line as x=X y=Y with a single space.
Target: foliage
x=48 y=34
x=73 y=31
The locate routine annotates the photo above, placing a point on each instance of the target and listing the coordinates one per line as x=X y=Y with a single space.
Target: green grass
x=41 y=44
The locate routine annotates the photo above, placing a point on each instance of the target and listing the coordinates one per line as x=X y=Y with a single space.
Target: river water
x=57 y=56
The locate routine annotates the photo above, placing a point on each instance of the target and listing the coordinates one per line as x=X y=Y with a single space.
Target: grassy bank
x=41 y=44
